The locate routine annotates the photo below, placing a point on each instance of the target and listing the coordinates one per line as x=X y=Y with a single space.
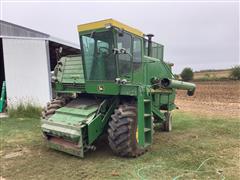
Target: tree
x=187 y=74
x=235 y=72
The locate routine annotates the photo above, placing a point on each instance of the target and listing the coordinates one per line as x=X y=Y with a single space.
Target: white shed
x=26 y=59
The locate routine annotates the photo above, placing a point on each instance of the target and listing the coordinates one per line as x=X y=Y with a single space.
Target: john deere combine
x=120 y=85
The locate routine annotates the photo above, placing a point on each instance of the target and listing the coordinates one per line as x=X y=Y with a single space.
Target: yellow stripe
x=103 y=23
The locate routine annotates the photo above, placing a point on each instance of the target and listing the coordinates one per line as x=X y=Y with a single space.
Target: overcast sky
x=197 y=35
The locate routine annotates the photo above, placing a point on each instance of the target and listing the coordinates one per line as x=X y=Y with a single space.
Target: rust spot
x=63 y=142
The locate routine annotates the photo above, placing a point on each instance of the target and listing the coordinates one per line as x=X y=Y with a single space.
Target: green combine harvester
x=120 y=85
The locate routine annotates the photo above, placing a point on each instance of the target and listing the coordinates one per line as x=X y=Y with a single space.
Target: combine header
x=120 y=85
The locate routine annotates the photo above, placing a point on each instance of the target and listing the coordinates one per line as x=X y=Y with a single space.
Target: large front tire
x=122 y=132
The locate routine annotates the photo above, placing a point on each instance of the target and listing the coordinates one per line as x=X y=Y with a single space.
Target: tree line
x=187 y=74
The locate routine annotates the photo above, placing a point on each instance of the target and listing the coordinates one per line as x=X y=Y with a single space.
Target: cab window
x=137 y=53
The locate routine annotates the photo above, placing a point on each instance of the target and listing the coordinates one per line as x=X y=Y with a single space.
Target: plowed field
x=213 y=98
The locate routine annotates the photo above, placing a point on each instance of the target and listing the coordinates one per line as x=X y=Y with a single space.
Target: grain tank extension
x=119 y=85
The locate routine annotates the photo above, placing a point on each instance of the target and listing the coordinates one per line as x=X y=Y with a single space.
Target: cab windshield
x=98 y=56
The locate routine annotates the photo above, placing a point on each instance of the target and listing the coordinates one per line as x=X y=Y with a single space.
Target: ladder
x=145 y=127
x=148 y=131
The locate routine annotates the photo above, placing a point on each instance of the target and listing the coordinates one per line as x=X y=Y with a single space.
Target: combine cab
x=119 y=85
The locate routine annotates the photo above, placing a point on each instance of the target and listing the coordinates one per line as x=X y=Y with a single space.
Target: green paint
x=158 y=113
x=69 y=75
x=68 y=123
x=97 y=125
x=140 y=116
x=102 y=88
x=3 y=96
x=68 y=133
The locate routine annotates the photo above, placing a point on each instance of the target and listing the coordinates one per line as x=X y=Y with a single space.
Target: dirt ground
x=212 y=98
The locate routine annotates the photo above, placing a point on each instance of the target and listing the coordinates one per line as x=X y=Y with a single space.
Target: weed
x=24 y=111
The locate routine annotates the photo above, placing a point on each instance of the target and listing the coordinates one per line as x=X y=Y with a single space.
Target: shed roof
x=11 y=30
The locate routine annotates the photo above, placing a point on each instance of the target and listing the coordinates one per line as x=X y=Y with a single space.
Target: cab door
x=124 y=40
x=137 y=55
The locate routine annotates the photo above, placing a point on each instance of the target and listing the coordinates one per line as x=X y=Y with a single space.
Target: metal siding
x=49 y=69
x=26 y=70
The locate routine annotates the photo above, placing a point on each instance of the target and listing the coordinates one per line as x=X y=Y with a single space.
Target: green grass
x=193 y=140
x=25 y=110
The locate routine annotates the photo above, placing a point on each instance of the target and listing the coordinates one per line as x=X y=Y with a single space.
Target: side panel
x=97 y=125
x=71 y=70
x=156 y=68
x=69 y=75
x=105 y=88
x=26 y=70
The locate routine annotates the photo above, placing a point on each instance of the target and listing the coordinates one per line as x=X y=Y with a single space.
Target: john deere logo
x=100 y=88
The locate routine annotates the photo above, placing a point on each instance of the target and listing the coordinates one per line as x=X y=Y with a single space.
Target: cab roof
x=107 y=22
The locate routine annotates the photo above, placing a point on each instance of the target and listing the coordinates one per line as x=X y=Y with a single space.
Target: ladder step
x=147 y=115
x=147 y=129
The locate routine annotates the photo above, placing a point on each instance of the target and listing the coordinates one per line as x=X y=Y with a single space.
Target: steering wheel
x=103 y=50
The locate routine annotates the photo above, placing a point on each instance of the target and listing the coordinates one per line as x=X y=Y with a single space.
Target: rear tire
x=122 y=132
x=167 y=124
x=52 y=106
